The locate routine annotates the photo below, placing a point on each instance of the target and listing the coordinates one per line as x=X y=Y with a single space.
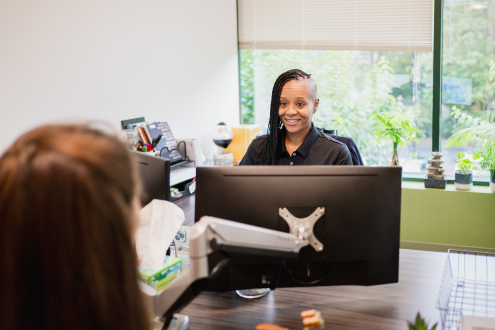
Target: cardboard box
x=160 y=278
x=243 y=136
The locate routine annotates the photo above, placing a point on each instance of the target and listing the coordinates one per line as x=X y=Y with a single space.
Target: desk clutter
x=157 y=139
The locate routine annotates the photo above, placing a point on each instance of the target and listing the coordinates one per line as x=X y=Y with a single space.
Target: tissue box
x=160 y=278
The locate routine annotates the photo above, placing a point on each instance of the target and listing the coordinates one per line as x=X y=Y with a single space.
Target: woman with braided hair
x=293 y=139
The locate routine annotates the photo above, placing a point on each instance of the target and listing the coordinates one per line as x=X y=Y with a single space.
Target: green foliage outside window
x=487 y=157
x=247 y=87
x=468 y=52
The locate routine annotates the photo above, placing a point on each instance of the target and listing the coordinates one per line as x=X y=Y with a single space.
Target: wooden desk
x=187 y=205
x=343 y=307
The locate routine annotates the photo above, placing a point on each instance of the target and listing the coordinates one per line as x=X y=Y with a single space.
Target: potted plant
x=420 y=324
x=397 y=127
x=484 y=133
x=487 y=161
x=464 y=175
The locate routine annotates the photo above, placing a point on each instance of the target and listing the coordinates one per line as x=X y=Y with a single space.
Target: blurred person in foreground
x=68 y=208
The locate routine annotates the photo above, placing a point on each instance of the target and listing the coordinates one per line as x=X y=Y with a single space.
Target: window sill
x=449 y=187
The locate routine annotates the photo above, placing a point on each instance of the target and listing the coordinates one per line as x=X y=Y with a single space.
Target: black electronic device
x=359 y=230
x=154 y=173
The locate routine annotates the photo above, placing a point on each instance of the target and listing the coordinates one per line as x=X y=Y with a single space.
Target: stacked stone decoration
x=435 y=170
x=435 y=177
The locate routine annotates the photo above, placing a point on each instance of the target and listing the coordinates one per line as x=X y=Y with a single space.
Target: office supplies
x=157 y=140
x=130 y=137
x=154 y=173
x=125 y=123
x=173 y=251
x=167 y=145
x=359 y=230
x=142 y=135
x=193 y=152
x=182 y=242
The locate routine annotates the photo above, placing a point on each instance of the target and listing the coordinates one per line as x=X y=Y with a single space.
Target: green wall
x=436 y=219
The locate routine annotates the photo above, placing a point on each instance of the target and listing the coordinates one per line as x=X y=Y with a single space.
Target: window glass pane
x=353 y=86
x=468 y=73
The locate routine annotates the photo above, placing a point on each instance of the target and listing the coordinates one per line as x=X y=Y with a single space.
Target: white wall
x=167 y=60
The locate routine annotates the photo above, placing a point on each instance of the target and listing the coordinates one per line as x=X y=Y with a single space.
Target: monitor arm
x=213 y=234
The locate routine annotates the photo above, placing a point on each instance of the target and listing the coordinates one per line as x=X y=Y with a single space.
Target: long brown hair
x=67 y=258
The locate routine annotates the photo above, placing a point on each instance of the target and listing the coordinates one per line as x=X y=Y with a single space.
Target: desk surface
x=187 y=205
x=343 y=307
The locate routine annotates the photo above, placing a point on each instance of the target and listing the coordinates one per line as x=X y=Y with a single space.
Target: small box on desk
x=243 y=136
x=160 y=278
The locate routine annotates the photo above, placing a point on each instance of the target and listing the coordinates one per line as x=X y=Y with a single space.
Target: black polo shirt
x=317 y=149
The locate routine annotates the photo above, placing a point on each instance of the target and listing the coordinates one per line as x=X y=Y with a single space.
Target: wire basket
x=468 y=287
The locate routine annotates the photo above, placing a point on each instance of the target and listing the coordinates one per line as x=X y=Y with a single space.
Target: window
x=468 y=71
x=353 y=85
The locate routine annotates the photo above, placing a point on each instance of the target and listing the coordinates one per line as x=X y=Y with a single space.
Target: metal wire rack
x=468 y=287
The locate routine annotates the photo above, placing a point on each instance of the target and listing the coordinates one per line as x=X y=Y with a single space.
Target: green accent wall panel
x=448 y=216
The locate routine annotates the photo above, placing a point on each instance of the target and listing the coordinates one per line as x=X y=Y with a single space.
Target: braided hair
x=275 y=124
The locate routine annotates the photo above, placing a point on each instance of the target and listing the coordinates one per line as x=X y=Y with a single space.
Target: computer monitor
x=360 y=228
x=154 y=173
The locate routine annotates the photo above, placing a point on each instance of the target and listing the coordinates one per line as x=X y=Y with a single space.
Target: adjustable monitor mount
x=212 y=234
x=303 y=228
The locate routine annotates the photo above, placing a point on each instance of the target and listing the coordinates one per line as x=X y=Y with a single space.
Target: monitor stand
x=253 y=293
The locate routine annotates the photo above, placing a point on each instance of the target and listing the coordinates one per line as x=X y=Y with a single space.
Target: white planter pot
x=463 y=181
x=492 y=180
x=460 y=186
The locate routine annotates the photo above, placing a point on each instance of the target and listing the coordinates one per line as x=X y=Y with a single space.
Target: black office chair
x=349 y=142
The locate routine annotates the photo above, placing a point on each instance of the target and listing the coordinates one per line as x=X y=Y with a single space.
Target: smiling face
x=298 y=102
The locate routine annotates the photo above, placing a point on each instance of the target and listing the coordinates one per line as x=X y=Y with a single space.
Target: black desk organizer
x=183 y=189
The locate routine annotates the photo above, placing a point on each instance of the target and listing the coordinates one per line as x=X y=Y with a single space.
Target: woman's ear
x=317 y=102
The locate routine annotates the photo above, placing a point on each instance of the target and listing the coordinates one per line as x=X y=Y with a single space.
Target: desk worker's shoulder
x=331 y=141
x=260 y=141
